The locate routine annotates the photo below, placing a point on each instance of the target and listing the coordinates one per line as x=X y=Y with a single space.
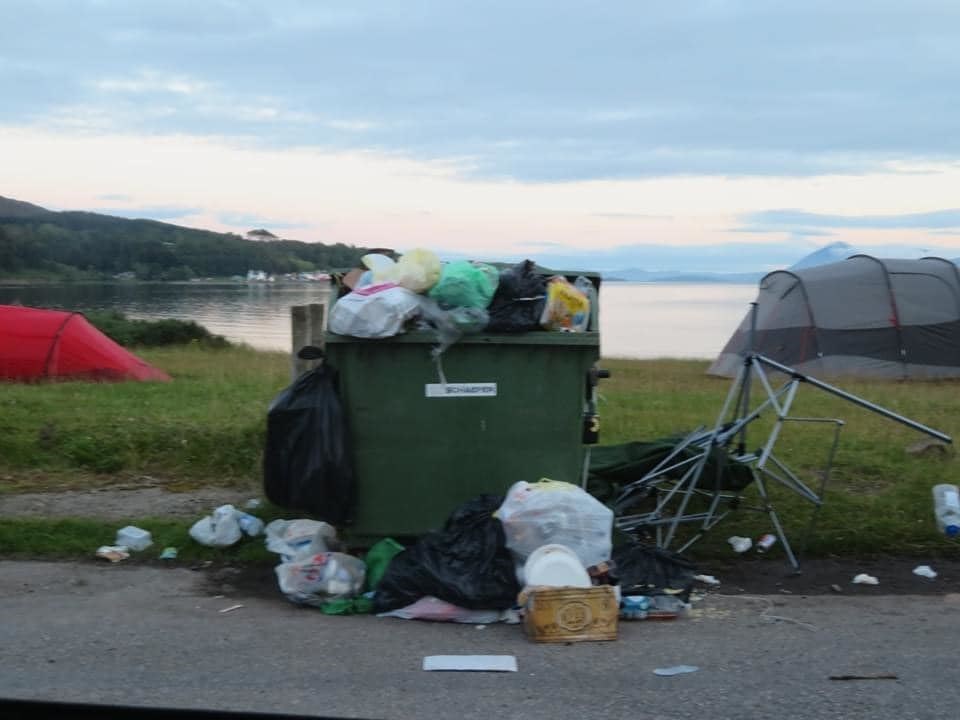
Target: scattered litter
x=836 y=588
x=251 y=525
x=765 y=542
x=295 y=538
x=864 y=579
x=230 y=609
x=675 y=670
x=707 y=580
x=220 y=529
x=113 y=553
x=740 y=544
x=480 y=627
x=316 y=579
x=169 y=553
x=252 y=504
x=473 y=663
x=133 y=538
x=925 y=571
x=874 y=676
x=431 y=608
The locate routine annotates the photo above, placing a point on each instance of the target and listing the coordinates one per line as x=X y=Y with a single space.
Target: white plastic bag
x=374 y=311
x=315 y=579
x=548 y=512
x=295 y=538
x=221 y=529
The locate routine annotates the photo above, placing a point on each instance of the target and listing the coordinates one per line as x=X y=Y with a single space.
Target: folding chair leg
x=774 y=518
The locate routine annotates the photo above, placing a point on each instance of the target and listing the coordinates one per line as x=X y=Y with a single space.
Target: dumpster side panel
x=417 y=457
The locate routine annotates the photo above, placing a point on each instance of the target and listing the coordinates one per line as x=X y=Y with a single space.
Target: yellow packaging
x=566 y=308
x=570 y=614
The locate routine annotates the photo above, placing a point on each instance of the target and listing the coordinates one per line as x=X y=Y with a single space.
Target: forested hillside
x=39 y=242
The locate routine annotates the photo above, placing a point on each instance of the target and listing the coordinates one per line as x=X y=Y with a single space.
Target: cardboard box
x=571 y=614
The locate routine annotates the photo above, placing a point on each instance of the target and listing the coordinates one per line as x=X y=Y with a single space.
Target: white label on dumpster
x=460 y=390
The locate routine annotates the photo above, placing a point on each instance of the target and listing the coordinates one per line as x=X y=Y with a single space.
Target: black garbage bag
x=648 y=570
x=467 y=564
x=307 y=462
x=519 y=300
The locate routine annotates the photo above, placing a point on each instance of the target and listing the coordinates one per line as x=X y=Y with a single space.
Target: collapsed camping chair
x=673 y=491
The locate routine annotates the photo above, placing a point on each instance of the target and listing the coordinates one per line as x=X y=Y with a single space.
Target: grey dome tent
x=860 y=317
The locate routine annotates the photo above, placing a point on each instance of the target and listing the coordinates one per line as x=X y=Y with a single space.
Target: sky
x=699 y=135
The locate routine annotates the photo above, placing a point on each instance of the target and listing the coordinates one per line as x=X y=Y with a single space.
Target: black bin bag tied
x=467 y=563
x=307 y=463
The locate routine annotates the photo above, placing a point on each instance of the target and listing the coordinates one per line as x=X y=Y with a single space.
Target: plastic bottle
x=946 y=507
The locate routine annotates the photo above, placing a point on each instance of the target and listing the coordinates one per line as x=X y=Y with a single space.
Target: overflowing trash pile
x=542 y=555
x=421 y=292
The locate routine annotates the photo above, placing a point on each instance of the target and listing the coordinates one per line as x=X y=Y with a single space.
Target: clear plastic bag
x=220 y=529
x=315 y=579
x=295 y=538
x=548 y=512
x=374 y=311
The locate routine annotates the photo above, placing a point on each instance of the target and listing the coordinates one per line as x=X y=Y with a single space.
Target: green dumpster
x=511 y=409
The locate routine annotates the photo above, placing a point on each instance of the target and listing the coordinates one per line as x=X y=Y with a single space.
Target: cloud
x=250 y=221
x=152 y=81
x=533 y=91
x=149 y=213
x=798 y=220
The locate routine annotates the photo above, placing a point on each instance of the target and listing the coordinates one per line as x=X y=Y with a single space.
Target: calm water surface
x=637 y=320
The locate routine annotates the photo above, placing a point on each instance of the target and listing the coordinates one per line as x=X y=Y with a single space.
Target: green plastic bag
x=465 y=284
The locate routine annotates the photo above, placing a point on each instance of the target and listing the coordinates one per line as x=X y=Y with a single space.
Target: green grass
x=207 y=427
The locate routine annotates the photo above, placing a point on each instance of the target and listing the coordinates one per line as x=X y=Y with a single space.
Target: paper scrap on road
x=471 y=663
x=230 y=609
x=864 y=579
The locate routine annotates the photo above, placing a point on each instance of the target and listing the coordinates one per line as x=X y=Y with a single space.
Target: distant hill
x=638 y=275
x=10 y=208
x=36 y=241
x=833 y=252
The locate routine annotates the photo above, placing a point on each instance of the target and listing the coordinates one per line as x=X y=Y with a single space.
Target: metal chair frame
x=679 y=477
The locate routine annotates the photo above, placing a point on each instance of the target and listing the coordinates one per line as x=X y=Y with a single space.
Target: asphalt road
x=136 y=635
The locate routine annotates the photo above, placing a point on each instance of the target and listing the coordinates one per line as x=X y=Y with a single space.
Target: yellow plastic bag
x=567 y=309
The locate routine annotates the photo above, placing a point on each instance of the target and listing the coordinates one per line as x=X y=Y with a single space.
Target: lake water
x=637 y=320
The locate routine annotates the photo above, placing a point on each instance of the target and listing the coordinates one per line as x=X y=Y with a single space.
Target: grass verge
x=207 y=427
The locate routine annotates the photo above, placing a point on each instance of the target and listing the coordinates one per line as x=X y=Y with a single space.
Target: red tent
x=40 y=344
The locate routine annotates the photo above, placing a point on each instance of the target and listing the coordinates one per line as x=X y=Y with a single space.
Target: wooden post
x=307 y=325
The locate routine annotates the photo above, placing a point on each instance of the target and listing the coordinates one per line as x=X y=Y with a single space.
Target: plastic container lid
x=555 y=566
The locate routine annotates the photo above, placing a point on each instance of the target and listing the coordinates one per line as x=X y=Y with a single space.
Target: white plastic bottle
x=946 y=506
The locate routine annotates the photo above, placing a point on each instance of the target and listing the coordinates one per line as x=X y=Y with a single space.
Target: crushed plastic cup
x=133 y=538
